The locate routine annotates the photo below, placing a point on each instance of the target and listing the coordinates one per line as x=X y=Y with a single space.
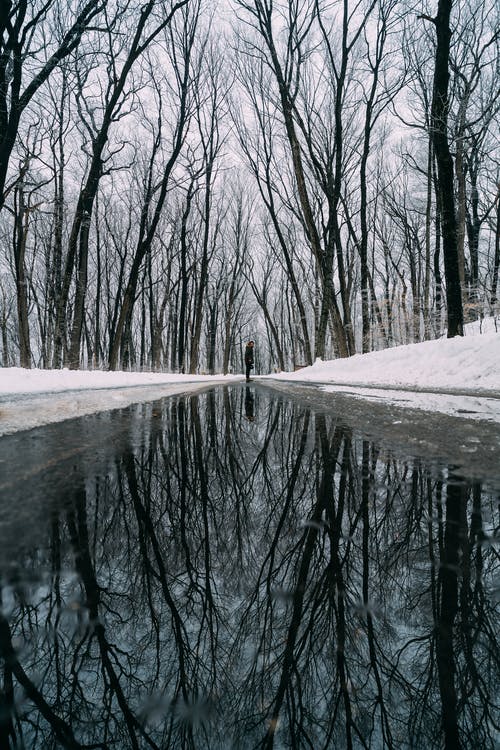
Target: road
x=471 y=445
x=468 y=438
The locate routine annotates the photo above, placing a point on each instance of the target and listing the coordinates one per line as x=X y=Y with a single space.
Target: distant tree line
x=177 y=177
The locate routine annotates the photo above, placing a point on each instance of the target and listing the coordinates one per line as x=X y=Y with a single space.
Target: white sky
x=459 y=376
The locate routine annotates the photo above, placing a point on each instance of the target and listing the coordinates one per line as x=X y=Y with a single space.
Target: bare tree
x=439 y=134
x=142 y=38
x=182 y=39
x=211 y=111
x=21 y=28
x=286 y=70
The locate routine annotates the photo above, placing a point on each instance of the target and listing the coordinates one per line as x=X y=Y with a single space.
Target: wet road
x=247 y=568
x=472 y=446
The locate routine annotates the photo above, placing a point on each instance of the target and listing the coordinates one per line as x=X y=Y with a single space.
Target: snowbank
x=465 y=364
x=17 y=380
x=31 y=398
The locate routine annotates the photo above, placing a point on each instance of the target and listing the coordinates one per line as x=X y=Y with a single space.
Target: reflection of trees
x=275 y=583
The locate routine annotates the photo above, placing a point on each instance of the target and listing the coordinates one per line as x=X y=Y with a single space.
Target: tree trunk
x=325 y=262
x=212 y=335
x=496 y=264
x=439 y=133
x=182 y=327
x=148 y=229
x=473 y=229
x=427 y=271
x=20 y=236
x=291 y=273
x=81 y=290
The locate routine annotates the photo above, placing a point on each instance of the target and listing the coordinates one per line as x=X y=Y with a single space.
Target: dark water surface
x=238 y=570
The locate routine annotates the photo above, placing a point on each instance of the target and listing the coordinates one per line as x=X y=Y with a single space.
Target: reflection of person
x=249 y=405
x=248 y=359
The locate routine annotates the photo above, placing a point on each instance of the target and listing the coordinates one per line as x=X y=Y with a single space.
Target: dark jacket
x=249 y=355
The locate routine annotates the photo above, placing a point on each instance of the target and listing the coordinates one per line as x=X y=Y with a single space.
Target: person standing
x=248 y=359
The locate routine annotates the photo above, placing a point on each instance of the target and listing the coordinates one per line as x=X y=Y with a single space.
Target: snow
x=30 y=398
x=20 y=381
x=461 y=364
x=459 y=376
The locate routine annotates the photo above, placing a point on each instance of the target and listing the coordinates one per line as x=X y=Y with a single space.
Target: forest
x=176 y=177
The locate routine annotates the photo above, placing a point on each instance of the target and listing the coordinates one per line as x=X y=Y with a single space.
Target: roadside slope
x=462 y=366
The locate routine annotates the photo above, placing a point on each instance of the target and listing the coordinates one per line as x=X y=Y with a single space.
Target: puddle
x=235 y=569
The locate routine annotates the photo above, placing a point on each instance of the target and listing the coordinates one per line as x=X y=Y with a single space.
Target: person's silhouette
x=249 y=352
x=249 y=404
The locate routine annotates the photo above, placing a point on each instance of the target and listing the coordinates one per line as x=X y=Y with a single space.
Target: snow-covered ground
x=30 y=398
x=458 y=376
x=462 y=364
x=16 y=380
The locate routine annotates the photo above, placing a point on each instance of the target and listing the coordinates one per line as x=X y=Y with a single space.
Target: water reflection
x=244 y=573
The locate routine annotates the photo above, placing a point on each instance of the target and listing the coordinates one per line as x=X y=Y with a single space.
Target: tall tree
x=185 y=74
x=20 y=26
x=439 y=135
x=141 y=40
x=286 y=70
x=209 y=120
